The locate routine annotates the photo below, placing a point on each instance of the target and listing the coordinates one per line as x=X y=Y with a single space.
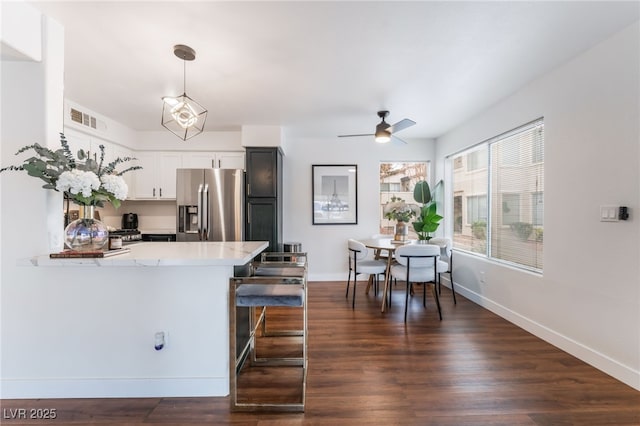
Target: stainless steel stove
x=128 y=235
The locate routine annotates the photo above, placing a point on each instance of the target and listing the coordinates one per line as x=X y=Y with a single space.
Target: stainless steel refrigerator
x=210 y=205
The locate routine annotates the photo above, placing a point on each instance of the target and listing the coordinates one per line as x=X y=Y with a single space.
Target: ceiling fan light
x=383 y=136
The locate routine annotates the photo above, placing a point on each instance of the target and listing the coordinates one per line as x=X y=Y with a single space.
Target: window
x=510 y=208
x=507 y=153
x=397 y=180
x=504 y=202
x=476 y=209
x=457 y=214
x=537 y=148
x=389 y=187
x=537 y=209
x=476 y=160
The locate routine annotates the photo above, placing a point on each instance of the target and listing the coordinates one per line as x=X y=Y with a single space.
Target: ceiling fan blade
x=351 y=136
x=400 y=125
x=397 y=139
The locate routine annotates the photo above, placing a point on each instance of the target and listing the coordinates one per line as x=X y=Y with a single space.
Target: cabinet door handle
x=248 y=189
x=154 y=192
x=219 y=163
x=160 y=192
x=213 y=165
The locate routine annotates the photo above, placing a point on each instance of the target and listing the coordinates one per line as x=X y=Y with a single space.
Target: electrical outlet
x=482 y=278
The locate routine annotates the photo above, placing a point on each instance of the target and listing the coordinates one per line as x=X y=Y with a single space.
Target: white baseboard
x=592 y=357
x=113 y=388
x=327 y=277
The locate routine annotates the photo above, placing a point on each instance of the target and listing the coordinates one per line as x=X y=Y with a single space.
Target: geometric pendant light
x=181 y=115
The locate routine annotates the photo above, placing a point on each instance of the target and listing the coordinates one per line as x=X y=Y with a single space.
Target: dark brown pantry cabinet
x=264 y=196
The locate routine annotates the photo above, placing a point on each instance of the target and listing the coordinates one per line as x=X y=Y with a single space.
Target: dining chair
x=445 y=265
x=359 y=264
x=417 y=263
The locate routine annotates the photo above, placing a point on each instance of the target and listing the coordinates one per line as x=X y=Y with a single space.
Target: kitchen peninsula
x=102 y=317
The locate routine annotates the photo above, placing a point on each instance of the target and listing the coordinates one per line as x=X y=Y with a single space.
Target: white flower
x=116 y=185
x=77 y=181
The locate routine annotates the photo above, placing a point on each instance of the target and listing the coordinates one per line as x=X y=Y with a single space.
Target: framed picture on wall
x=334 y=194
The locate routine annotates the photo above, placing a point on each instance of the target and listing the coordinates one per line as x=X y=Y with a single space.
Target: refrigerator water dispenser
x=188 y=219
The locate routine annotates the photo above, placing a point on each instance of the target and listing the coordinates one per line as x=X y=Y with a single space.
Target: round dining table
x=389 y=246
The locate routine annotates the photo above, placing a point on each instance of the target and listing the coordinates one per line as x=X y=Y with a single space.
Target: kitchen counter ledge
x=211 y=253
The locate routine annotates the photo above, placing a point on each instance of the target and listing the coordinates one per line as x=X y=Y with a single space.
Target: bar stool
x=262 y=292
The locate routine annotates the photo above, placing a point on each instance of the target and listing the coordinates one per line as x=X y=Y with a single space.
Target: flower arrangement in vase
x=397 y=209
x=86 y=181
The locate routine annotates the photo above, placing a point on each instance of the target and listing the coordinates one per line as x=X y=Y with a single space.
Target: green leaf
x=421 y=192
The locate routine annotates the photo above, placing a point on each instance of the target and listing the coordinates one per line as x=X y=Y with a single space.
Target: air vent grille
x=87 y=120
x=84 y=118
x=76 y=116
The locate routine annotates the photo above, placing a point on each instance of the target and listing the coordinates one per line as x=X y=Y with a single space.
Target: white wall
x=106 y=128
x=31 y=113
x=587 y=302
x=207 y=141
x=326 y=244
x=20 y=31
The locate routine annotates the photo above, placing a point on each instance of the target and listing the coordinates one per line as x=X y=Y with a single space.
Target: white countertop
x=212 y=253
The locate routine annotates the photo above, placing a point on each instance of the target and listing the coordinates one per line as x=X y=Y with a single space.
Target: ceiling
x=320 y=69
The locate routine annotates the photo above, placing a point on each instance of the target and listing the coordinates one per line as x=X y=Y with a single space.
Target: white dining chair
x=445 y=264
x=417 y=263
x=359 y=264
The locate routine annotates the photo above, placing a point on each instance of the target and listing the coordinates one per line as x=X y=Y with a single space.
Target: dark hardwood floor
x=473 y=368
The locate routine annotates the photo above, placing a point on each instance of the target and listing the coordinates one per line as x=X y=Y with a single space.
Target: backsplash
x=152 y=214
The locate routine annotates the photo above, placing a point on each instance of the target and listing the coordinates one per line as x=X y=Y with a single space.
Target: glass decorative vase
x=402 y=231
x=86 y=233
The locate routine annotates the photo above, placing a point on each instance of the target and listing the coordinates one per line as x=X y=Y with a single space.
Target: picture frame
x=334 y=194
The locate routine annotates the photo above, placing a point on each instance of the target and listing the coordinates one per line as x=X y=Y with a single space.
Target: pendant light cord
x=184 y=76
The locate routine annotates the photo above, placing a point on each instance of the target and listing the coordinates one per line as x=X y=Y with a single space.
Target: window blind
x=498 y=197
x=517 y=173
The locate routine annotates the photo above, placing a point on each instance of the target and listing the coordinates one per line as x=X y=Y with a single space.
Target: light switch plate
x=608 y=213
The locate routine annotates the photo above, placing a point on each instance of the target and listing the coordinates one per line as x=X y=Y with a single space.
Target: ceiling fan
x=384 y=131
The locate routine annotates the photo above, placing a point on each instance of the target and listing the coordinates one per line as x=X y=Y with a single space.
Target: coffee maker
x=129 y=221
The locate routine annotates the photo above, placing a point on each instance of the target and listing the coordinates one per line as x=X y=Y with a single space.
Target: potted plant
x=428 y=220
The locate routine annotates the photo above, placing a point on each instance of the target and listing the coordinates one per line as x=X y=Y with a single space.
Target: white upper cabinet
x=230 y=160
x=215 y=160
x=157 y=179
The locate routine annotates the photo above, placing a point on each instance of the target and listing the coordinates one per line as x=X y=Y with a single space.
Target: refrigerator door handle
x=206 y=221
x=200 y=212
